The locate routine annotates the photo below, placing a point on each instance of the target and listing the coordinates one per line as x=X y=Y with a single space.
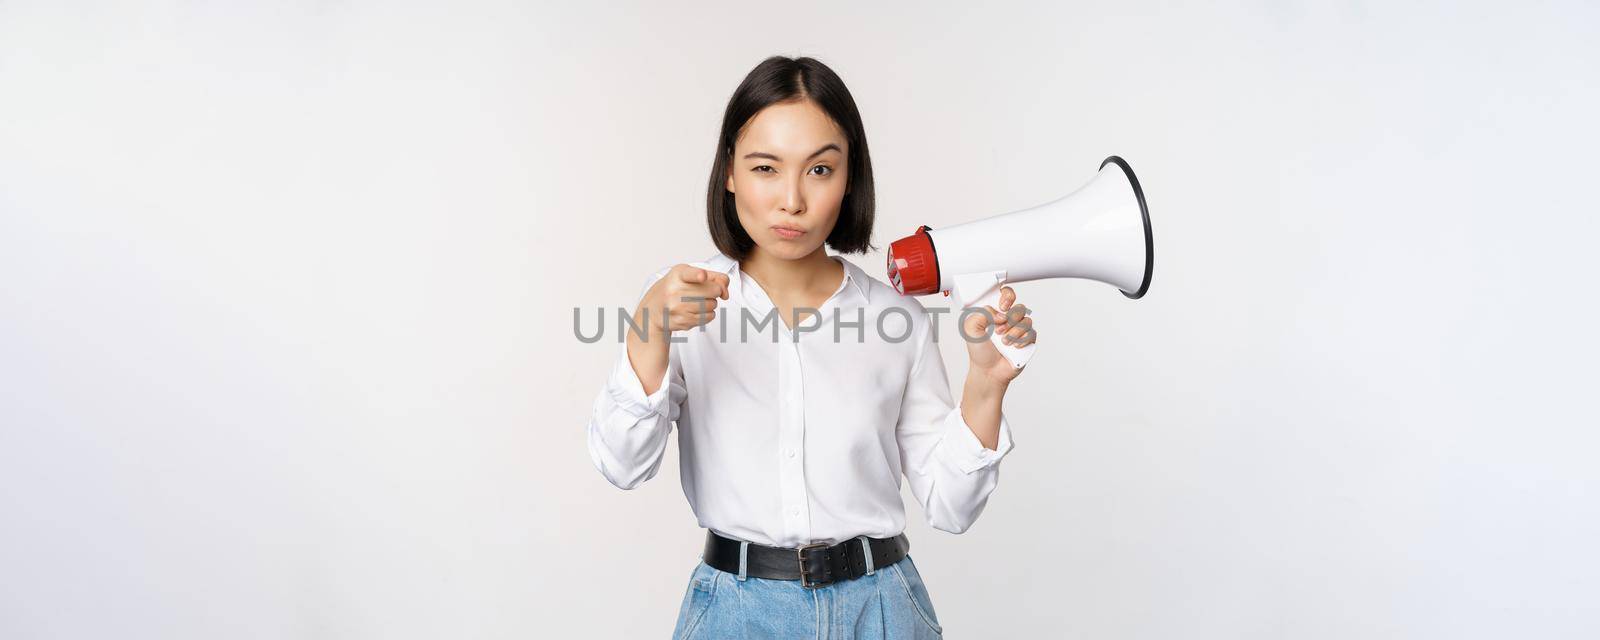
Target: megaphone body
x=1099 y=232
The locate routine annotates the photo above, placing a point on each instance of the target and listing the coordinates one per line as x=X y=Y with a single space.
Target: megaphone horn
x=1099 y=232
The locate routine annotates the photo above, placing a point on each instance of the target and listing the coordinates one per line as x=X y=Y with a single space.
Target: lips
x=788 y=233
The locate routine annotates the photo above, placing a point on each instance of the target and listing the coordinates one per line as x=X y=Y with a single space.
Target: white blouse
x=791 y=438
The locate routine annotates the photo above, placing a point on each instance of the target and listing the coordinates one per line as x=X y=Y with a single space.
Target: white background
x=286 y=298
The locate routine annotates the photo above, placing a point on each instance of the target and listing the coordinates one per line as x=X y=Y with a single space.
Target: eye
x=759 y=169
x=827 y=170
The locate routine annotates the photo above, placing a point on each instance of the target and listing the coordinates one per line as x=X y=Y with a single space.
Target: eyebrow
x=763 y=154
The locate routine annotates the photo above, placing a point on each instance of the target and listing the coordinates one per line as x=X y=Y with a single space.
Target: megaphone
x=1099 y=232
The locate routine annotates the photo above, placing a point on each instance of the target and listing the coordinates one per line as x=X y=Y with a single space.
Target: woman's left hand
x=1010 y=319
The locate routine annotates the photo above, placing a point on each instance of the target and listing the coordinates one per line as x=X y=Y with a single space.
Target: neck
x=782 y=276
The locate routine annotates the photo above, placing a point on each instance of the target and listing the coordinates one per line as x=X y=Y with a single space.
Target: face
x=788 y=178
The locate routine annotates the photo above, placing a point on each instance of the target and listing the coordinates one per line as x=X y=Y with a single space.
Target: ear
x=729 y=185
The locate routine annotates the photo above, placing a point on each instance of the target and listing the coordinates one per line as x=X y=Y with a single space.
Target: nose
x=794 y=201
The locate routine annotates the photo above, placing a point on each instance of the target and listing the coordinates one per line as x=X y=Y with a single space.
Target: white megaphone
x=1099 y=232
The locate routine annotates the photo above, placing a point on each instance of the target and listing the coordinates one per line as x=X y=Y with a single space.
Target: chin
x=789 y=250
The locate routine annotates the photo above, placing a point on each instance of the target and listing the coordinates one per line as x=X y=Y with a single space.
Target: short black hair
x=780 y=79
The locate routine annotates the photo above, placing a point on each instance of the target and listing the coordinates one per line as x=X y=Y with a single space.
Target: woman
x=801 y=407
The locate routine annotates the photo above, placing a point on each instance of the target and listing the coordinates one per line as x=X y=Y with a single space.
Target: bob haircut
x=780 y=79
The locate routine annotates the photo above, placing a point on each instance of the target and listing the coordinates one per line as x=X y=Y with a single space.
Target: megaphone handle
x=983 y=290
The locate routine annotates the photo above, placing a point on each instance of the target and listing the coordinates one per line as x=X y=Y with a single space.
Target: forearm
x=980 y=406
x=648 y=355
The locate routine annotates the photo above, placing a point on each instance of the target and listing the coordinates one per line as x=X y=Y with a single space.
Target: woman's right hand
x=688 y=294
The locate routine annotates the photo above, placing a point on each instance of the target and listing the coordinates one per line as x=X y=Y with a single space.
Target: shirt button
x=794 y=512
x=791 y=453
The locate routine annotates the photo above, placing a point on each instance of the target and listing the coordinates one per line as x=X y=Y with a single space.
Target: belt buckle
x=804 y=575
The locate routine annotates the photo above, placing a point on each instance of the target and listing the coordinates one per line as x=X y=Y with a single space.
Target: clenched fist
x=1012 y=321
x=688 y=294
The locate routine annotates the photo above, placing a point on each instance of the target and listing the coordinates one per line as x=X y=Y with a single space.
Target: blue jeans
x=889 y=603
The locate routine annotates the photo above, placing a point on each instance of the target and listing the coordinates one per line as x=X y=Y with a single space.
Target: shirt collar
x=854 y=277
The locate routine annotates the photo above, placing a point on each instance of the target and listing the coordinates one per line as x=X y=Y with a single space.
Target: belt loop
x=866 y=550
x=744 y=558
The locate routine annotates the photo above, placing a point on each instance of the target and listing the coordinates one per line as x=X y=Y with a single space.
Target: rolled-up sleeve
x=628 y=430
x=951 y=473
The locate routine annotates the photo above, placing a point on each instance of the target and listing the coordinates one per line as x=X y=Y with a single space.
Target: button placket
x=791 y=442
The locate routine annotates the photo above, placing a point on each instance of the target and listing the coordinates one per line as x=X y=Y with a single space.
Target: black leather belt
x=814 y=565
